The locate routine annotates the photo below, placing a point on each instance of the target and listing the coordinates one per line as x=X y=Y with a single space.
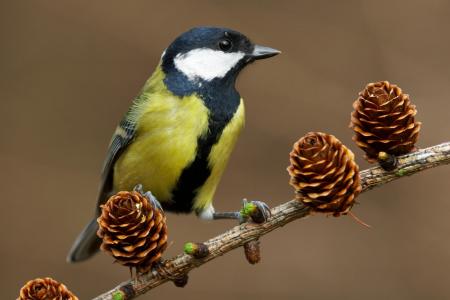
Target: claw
x=257 y=210
x=139 y=188
x=155 y=203
x=264 y=208
x=153 y=200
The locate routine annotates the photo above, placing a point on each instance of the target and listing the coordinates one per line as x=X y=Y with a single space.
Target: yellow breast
x=165 y=143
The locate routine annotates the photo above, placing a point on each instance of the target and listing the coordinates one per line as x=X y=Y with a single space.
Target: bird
x=177 y=136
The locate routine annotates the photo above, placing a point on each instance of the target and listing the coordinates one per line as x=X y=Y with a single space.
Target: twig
x=180 y=265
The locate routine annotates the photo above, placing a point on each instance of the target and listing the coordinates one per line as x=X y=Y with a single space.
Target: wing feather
x=122 y=137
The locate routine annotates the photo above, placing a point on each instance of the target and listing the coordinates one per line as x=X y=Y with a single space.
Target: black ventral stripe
x=222 y=100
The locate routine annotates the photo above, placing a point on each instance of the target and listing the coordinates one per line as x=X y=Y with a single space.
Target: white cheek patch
x=206 y=64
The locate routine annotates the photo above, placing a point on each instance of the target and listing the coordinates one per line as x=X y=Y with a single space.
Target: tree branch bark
x=180 y=265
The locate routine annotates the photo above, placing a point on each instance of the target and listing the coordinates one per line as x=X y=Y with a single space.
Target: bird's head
x=206 y=54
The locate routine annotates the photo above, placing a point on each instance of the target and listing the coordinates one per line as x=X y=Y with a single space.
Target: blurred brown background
x=70 y=68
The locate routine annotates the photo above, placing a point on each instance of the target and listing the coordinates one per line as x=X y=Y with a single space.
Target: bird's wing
x=87 y=242
x=122 y=137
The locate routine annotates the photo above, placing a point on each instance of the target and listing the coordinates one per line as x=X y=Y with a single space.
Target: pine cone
x=324 y=170
x=45 y=289
x=383 y=121
x=134 y=231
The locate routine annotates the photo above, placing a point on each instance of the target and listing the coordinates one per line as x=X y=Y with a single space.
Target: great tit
x=177 y=136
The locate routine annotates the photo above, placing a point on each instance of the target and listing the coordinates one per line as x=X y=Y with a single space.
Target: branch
x=179 y=266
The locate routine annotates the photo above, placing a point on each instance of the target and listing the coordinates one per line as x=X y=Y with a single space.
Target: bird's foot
x=257 y=211
x=154 y=202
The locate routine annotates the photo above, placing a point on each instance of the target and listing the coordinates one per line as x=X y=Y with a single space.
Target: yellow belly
x=218 y=158
x=165 y=143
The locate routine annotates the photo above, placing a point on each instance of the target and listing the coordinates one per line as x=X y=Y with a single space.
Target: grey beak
x=261 y=52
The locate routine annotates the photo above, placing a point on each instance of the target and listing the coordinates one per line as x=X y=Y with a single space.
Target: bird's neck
x=181 y=85
x=219 y=95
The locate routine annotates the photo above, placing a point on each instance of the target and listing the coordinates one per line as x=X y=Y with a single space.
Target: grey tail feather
x=86 y=244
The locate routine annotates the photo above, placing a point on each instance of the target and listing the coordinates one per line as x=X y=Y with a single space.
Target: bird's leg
x=139 y=188
x=155 y=203
x=258 y=211
x=234 y=215
x=209 y=213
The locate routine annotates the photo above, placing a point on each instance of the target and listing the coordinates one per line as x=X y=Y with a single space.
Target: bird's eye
x=225 y=45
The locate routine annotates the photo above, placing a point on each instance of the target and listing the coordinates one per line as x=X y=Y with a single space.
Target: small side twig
x=180 y=265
